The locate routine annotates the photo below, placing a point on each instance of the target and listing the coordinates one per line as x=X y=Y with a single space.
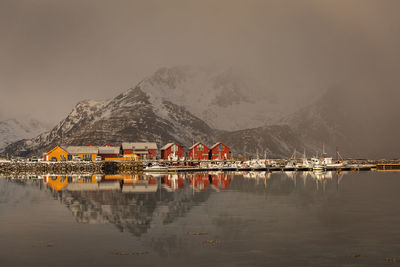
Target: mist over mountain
x=12 y=130
x=190 y=104
x=224 y=98
x=359 y=122
x=159 y=109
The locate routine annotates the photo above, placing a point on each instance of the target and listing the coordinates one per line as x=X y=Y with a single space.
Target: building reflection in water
x=133 y=202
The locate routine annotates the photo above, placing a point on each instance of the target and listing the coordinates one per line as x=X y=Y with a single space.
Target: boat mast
x=337 y=154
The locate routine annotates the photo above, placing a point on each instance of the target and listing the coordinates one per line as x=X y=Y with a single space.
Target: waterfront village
x=198 y=157
x=138 y=151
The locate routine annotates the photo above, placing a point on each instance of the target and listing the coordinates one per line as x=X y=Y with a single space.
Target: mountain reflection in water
x=129 y=201
x=244 y=218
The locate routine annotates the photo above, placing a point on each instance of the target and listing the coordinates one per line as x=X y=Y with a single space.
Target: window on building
x=174 y=148
x=200 y=147
x=220 y=147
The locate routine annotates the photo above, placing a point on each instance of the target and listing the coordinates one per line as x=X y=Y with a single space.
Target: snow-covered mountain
x=150 y=112
x=131 y=116
x=12 y=130
x=222 y=98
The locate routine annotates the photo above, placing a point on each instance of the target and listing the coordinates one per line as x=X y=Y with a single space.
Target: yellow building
x=61 y=153
x=87 y=153
x=57 y=154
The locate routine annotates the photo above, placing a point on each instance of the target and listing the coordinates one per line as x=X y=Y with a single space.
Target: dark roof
x=139 y=146
x=190 y=148
x=216 y=144
x=82 y=149
x=108 y=150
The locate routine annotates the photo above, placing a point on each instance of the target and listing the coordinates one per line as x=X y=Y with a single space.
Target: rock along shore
x=103 y=167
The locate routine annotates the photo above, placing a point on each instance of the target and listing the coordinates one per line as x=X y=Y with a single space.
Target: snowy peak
x=130 y=116
x=83 y=111
x=179 y=104
x=219 y=97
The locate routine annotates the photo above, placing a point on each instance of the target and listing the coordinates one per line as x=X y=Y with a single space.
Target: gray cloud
x=56 y=53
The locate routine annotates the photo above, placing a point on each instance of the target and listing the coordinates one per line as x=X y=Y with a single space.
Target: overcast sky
x=55 y=53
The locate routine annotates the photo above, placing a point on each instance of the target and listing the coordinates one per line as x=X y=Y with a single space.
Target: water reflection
x=198 y=182
x=253 y=217
x=129 y=201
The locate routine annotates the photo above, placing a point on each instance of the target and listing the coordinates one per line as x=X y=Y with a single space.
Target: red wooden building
x=198 y=151
x=143 y=150
x=172 y=151
x=108 y=152
x=220 y=151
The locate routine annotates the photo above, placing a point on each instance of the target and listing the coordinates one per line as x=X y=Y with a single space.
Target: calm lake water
x=200 y=219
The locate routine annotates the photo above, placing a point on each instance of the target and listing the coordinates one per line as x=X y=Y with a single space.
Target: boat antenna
x=337 y=154
x=294 y=154
x=340 y=156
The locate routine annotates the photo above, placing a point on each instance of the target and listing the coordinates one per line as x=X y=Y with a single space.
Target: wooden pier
x=388 y=166
x=269 y=169
x=133 y=167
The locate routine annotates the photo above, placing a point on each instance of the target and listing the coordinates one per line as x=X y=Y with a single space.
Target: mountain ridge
x=14 y=129
x=136 y=115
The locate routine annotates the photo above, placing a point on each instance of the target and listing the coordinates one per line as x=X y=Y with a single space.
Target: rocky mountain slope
x=128 y=117
x=139 y=114
x=188 y=104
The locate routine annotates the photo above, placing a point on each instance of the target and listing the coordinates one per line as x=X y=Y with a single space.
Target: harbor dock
x=388 y=166
x=162 y=166
x=267 y=169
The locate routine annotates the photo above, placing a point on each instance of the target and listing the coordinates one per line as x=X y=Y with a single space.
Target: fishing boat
x=257 y=164
x=155 y=167
x=317 y=164
x=291 y=164
x=305 y=164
